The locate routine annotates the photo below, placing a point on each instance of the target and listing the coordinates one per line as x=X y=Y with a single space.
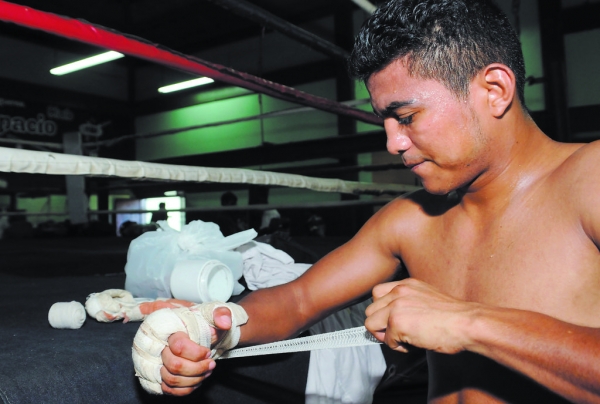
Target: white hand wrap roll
x=67 y=315
x=195 y=321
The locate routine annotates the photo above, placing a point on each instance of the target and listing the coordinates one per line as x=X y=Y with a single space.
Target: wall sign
x=32 y=120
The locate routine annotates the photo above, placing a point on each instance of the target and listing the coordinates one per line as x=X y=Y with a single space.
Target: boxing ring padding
x=99 y=36
x=92 y=365
x=37 y=162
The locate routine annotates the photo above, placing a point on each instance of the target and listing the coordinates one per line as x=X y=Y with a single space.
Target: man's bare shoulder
x=400 y=222
x=581 y=151
x=580 y=167
x=577 y=183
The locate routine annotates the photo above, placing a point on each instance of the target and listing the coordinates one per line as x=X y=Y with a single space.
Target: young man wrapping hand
x=501 y=244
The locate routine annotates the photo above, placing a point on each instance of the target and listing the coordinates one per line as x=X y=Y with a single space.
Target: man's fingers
x=386 y=293
x=383 y=289
x=379 y=304
x=400 y=287
x=181 y=366
x=177 y=391
x=377 y=323
x=186 y=365
x=179 y=372
x=182 y=346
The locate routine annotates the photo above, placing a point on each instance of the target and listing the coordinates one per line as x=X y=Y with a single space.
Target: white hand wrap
x=195 y=321
x=114 y=304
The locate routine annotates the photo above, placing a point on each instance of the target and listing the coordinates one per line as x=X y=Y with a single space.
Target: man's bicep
x=349 y=273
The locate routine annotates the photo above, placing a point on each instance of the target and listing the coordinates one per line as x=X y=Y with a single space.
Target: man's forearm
x=274 y=314
x=561 y=356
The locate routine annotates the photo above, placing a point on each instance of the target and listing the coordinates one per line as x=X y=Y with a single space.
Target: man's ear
x=500 y=84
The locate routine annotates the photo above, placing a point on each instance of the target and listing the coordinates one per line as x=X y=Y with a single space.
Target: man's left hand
x=414 y=312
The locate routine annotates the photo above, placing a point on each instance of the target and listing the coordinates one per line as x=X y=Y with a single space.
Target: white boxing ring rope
x=37 y=162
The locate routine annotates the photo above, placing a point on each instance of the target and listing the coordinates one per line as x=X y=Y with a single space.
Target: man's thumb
x=222 y=318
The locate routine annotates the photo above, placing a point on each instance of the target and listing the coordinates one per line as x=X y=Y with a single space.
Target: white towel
x=344 y=375
x=265 y=266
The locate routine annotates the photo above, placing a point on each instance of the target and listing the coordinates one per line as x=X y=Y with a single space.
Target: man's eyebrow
x=390 y=110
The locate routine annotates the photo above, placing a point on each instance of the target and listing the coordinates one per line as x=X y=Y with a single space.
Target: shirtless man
x=501 y=245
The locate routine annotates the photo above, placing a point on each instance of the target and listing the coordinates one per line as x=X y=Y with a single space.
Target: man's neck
x=519 y=160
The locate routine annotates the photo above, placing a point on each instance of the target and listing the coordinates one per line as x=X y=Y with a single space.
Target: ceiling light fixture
x=185 y=84
x=85 y=63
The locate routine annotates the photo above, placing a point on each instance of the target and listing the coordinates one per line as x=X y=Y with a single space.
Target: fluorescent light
x=85 y=63
x=170 y=193
x=186 y=84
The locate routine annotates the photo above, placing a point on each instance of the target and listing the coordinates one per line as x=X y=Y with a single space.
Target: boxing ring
x=93 y=364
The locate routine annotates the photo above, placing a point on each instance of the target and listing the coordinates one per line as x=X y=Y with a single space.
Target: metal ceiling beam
x=264 y=18
x=99 y=36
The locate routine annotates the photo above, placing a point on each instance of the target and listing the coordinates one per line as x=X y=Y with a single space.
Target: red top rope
x=96 y=35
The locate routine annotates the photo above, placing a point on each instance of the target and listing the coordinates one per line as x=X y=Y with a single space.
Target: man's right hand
x=187 y=364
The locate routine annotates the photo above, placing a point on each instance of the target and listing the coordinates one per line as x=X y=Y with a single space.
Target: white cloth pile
x=265 y=266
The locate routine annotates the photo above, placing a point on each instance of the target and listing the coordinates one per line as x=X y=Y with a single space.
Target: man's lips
x=412 y=163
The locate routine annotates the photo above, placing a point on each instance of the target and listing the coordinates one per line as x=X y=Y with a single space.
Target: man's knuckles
x=169 y=379
x=177 y=391
x=396 y=289
x=176 y=380
x=174 y=364
x=383 y=289
x=177 y=343
x=181 y=346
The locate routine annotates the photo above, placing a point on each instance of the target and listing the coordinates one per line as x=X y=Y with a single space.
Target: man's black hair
x=446 y=40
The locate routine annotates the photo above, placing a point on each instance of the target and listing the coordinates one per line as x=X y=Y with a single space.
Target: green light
x=85 y=63
x=185 y=84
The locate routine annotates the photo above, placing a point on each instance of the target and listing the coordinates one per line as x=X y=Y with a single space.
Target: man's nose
x=397 y=139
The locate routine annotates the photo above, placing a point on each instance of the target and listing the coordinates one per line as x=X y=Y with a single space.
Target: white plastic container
x=201 y=281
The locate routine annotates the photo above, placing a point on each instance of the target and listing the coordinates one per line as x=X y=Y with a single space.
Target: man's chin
x=436 y=189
